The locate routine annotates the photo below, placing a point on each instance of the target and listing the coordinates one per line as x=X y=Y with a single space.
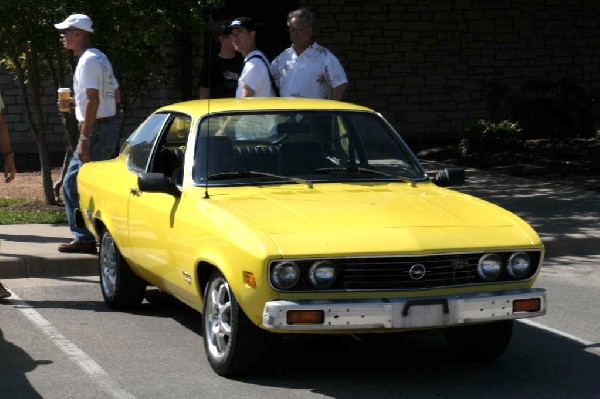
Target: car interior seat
x=213 y=155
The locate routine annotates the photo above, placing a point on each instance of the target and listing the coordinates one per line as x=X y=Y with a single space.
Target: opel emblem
x=417 y=272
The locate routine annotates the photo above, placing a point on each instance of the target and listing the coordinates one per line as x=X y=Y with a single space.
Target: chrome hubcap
x=218 y=318
x=108 y=265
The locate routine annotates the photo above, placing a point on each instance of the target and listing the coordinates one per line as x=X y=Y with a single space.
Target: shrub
x=544 y=108
x=484 y=137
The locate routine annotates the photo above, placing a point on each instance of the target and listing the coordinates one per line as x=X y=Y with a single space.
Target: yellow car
x=287 y=216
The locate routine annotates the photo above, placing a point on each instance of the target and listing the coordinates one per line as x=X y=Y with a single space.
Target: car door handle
x=135 y=192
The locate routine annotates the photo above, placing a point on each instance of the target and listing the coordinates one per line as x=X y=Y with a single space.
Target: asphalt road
x=60 y=341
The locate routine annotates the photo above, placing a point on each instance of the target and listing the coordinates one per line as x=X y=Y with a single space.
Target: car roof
x=201 y=107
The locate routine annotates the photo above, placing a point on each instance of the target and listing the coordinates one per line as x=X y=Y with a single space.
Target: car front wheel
x=121 y=287
x=480 y=341
x=231 y=341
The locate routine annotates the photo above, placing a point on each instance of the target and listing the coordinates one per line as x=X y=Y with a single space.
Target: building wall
x=421 y=63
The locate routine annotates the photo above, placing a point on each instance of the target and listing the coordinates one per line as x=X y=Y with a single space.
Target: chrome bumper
x=404 y=313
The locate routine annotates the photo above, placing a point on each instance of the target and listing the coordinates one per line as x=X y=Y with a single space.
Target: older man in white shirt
x=307 y=69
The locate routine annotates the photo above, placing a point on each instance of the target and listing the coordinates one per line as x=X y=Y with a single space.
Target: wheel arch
x=204 y=270
x=248 y=298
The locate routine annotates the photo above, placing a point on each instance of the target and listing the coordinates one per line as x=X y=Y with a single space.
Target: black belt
x=100 y=121
x=108 y=119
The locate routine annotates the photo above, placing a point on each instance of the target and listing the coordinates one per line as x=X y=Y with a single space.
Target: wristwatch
x=83 y=137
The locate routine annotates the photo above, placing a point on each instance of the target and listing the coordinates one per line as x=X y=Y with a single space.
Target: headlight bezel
x=510 y=267
x=275 y=277
x=490 y=267
x=307 y=281
x=314 y=279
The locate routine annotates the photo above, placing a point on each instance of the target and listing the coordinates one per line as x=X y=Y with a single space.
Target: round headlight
x=285 y=274
x=489 y=267
x=322 y=274
x=519 y=264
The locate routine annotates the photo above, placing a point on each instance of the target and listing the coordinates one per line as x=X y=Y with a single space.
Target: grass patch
x=26 y=211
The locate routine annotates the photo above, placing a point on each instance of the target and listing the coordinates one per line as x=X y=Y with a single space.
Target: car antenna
x=208 y=21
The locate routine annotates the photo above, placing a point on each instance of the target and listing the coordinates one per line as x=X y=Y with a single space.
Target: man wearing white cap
x=96 y=92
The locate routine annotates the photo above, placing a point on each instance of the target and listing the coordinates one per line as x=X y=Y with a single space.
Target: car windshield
x=301 y=147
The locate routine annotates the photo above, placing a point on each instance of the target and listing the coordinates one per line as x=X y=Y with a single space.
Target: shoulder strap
x=273 y=85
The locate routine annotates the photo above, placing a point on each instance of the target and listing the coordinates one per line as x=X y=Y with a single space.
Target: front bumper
x=404 y=313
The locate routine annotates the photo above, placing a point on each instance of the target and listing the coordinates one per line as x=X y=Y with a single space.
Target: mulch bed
x=572 y=162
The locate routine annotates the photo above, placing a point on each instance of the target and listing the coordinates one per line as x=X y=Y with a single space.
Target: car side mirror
x=449 y=177
x=177 y=177
x=157 y=183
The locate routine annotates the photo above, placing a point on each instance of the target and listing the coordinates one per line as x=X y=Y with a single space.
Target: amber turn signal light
x=527 y=305
x=250 y=279
x=305 y=317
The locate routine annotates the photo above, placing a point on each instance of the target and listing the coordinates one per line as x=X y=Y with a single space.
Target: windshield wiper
x=253 y=173
x=361 y=170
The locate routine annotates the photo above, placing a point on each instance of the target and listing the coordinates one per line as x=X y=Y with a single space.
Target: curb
x=32 y=266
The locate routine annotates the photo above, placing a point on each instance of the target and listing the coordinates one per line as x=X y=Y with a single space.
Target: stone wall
x=422 y=64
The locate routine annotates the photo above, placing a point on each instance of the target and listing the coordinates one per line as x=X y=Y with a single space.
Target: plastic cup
x=64 y=95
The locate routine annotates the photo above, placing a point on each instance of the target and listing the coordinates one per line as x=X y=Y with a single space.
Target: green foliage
x=484 y=137
x=24 y=211
x=544 y=108
x=130 y=32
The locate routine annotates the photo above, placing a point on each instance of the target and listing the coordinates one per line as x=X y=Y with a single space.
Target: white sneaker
x=4 y=293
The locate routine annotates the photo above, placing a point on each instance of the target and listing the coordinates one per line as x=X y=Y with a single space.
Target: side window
x=178 y=131
x=140 y=143
x=171 y=153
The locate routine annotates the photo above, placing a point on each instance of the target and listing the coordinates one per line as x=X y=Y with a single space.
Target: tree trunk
x=40 y=133
x=72 y=132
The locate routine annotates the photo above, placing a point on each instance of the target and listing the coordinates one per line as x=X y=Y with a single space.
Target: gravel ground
x=27 y=185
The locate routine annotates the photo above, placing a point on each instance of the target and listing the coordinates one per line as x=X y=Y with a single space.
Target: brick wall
x=21 y=138
x=20 y=134
x=420 y=63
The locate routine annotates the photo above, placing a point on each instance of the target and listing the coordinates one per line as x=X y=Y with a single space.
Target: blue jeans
x=103 y=144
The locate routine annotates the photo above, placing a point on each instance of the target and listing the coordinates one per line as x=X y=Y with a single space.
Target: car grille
x=395 y=273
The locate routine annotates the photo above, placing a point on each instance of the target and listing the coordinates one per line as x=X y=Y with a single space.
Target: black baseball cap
x=242 y=22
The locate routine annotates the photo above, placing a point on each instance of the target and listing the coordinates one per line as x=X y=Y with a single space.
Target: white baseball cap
x=79 y=21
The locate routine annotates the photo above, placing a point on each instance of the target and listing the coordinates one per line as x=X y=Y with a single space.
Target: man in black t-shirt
x=219 y=75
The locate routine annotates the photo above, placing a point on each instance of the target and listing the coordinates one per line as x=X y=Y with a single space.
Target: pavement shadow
x=559 y=209
x=537 y=364
x=563 y=215
x=15 y=365
x=33 y=239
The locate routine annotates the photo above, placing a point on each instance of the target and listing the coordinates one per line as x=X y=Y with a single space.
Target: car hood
x=334 y=218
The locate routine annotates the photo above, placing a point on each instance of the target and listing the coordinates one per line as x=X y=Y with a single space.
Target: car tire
x=231 y=341
x=121 y=287
x=480 y=341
